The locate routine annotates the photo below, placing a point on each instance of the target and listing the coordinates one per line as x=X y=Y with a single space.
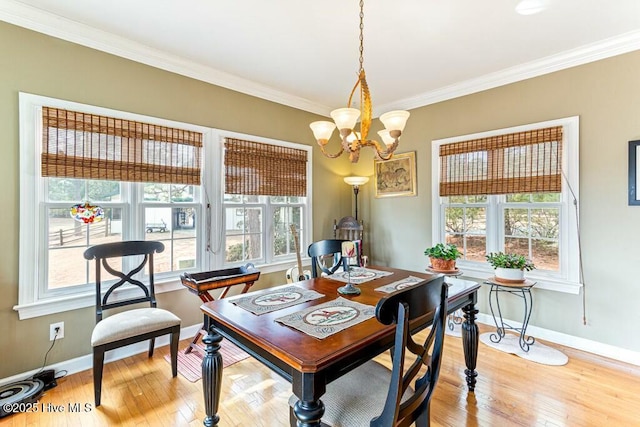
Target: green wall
x=605 y=94
x=42 y=65
x=606 y=97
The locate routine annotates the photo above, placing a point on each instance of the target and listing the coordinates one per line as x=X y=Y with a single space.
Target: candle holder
x=348 y=251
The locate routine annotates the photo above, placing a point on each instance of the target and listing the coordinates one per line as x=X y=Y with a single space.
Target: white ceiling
x=305 y=53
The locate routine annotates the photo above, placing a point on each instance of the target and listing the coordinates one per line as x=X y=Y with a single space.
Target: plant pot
x=510 y=274
x=438 y=264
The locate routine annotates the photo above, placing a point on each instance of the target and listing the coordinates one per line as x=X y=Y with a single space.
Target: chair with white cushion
x=132 y=325
x=372 y=395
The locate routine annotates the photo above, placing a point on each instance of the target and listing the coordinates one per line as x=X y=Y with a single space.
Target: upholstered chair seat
x=134 y=325
x=131 y=323
x=359 y=395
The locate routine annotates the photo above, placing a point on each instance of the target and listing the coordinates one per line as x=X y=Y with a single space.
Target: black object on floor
x=16 y=397
x=48 y=377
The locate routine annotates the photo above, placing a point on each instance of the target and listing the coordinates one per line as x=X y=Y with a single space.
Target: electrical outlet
x=52 y=330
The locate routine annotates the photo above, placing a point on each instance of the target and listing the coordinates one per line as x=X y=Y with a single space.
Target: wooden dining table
x=309 y=363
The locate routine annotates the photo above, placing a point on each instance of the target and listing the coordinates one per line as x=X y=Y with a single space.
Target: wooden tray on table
x=202 y=283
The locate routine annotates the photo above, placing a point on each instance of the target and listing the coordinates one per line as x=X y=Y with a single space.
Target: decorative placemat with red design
x=266 y=301
x=323 y=320
x=359 y=275
x=400 y=284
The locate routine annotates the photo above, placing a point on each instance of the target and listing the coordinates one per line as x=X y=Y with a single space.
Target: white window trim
x=29 y=305
x=217 y=239
x=570 y=282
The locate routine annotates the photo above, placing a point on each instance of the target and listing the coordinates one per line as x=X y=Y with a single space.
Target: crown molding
x=603 y=49
x=44 y=22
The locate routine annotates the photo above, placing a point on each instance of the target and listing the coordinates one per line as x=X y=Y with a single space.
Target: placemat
x=266 y=301
x=329 y=318
x=359 y=275
x=400 y=284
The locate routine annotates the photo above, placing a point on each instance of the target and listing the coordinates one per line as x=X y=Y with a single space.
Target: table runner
x=400 y=284
x=321 y=321
x=359 y=275
x=266 y=301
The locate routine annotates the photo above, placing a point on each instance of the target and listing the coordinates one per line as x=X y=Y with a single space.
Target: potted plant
x=509 y=267
x=443 y=256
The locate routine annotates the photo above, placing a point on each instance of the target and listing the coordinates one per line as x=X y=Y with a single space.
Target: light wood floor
x=138 y=391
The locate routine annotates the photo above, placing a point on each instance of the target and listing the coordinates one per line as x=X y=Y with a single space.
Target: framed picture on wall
x=634 y=174
x=396 y=176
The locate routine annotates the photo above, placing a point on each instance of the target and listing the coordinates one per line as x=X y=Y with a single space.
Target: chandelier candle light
x=346 y=118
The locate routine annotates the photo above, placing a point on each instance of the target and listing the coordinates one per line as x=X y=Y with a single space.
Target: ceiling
x=305 y=53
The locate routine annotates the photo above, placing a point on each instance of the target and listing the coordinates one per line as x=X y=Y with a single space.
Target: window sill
x=542 y=282
x=87 y=299
x=49 y=306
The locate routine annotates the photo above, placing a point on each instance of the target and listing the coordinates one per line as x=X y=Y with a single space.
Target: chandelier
x=346 y=119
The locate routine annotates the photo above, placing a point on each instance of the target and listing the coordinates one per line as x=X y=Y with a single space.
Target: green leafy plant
x=442 y=251
x=502 y=260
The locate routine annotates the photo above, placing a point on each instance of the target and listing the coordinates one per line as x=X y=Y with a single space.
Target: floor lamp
x=356 y=182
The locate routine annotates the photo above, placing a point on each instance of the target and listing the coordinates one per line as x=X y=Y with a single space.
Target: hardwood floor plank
x=138 y=391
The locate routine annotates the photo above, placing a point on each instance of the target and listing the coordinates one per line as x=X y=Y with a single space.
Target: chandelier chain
x=354 y=135
x=361 y=35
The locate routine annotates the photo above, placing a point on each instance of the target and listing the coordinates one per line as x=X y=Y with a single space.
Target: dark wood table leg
x=308 y=414
x=309 y=409
x=211 y=375
x=470 y=344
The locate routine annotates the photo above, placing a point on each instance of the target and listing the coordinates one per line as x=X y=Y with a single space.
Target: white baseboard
x=605 y=350
x=83 y=363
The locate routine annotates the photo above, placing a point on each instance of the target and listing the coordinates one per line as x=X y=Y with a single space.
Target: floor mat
x=538 y=352
x=190 y=365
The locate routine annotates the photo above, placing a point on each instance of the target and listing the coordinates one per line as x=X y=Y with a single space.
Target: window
x=143 y=172
x=146 y=175
x=265 y=194
x=511 y=190
x=170 y=219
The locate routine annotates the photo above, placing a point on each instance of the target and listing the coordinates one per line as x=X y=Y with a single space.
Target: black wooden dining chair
x=326 y=256
x=133 y=325
x=376 y=396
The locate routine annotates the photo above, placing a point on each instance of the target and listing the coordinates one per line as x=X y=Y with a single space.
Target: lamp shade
x=386 y=138
x=353 y=136
x=356 y=180
x=322 y=130
x=345 y=118
x=395 y=120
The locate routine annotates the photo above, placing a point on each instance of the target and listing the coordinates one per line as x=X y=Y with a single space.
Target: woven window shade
x=254 y=168
x=522 y=162
x=89 y=146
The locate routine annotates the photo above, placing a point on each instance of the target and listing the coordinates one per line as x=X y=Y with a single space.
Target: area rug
x=190 y=364
x=538 y=352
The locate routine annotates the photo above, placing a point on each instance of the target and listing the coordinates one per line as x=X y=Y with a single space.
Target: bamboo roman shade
x=254 y=168
x=522 y=162
x=89 y=146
